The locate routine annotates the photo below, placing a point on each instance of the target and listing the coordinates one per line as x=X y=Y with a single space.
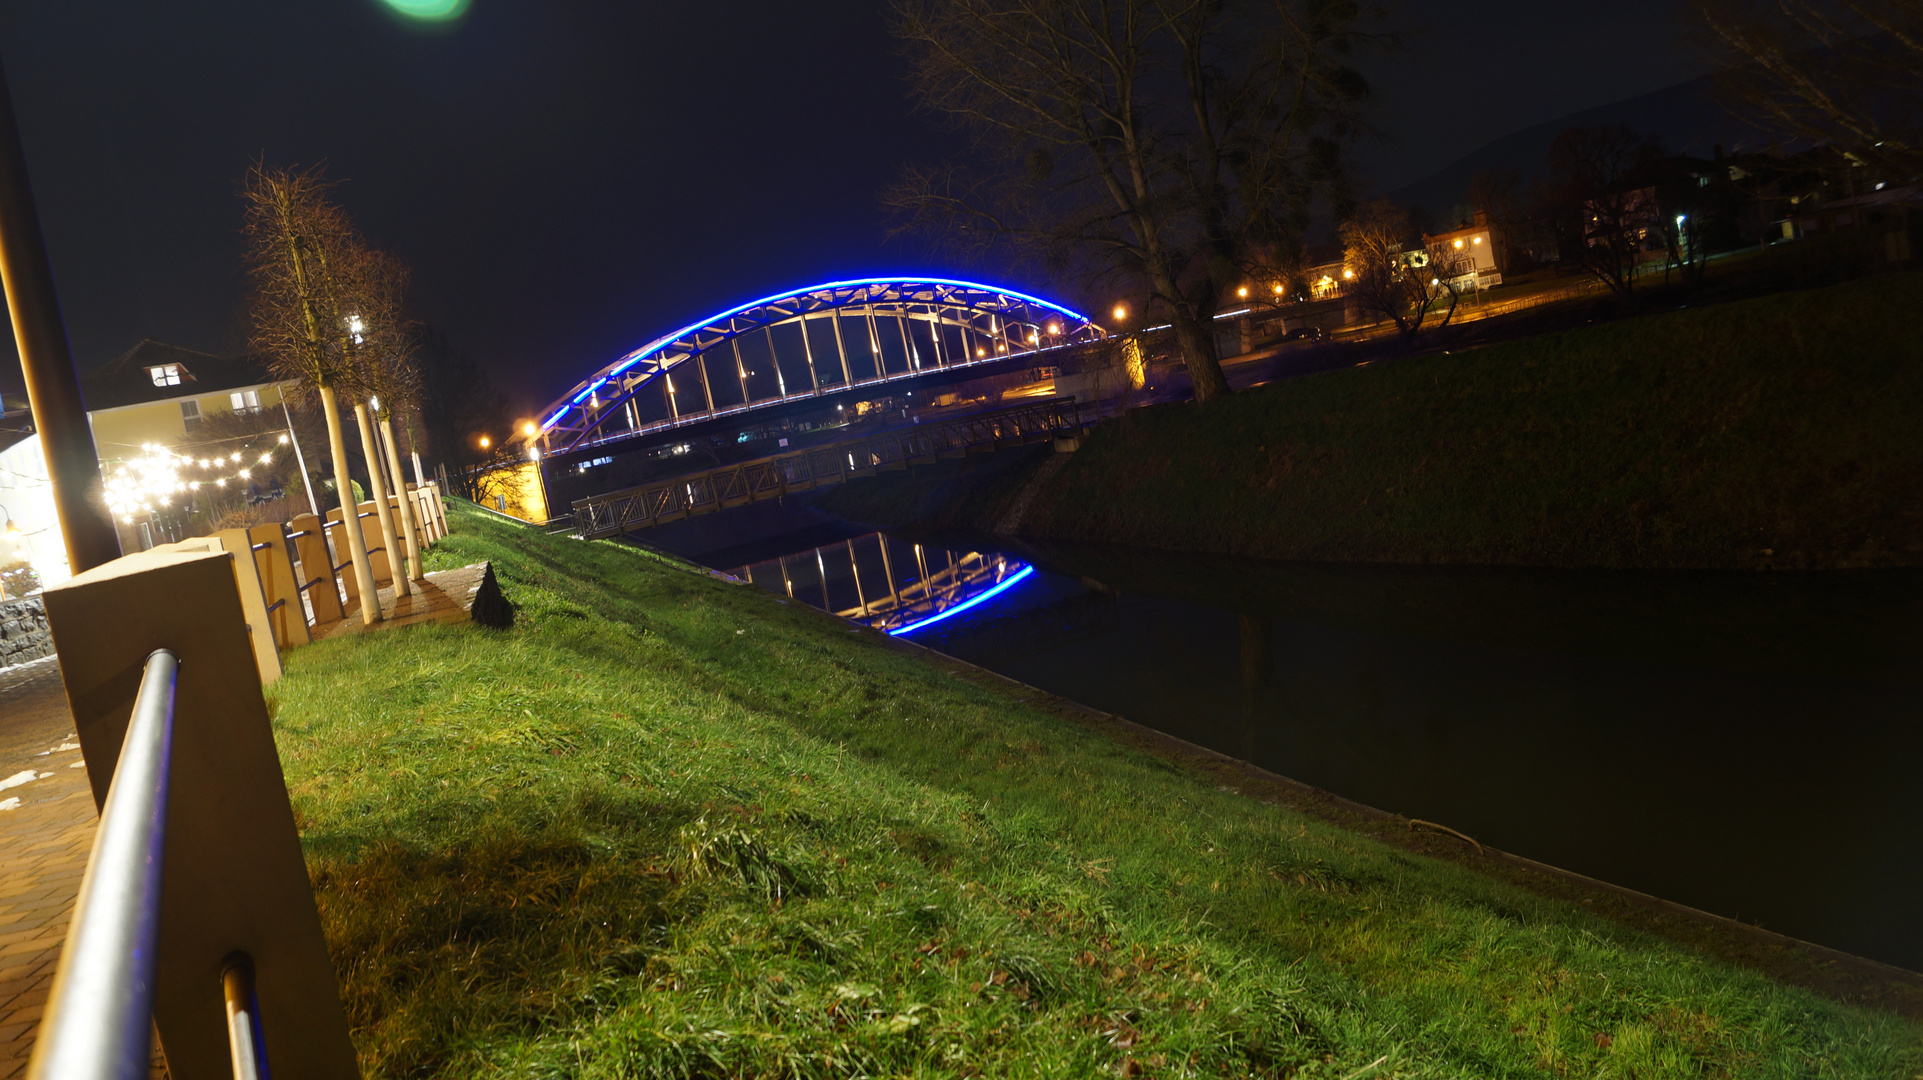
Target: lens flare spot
x=429 y=10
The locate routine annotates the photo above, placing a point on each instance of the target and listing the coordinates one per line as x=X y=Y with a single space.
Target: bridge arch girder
x=988 y=323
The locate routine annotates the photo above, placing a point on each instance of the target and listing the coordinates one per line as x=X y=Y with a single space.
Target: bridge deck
x=712 y=490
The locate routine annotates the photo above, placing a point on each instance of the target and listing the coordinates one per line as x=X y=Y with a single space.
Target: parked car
x=1306 y=333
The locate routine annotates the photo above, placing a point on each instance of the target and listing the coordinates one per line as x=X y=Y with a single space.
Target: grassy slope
x=667 y=826
x=1781 y=431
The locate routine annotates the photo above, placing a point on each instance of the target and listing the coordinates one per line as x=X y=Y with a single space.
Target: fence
x=296 y=581
x=803 y=470
x=195 y=918
x=196 y=875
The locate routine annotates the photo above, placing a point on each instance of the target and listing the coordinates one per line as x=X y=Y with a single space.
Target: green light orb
x=429 y=10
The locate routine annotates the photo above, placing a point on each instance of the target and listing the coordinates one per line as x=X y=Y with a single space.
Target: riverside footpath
x=46 y=831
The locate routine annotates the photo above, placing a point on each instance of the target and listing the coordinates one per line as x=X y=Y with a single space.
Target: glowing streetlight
x=1121 y=311
x=528 y=429
x=1243 y=291
x=485 y=443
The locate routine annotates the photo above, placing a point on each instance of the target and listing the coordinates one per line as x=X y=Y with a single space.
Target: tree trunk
x=396 y=560
x=409 y=522
x=1197 y=343
x=370 y=595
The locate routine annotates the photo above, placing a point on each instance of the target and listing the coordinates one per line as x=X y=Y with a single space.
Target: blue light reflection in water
x=965 y=605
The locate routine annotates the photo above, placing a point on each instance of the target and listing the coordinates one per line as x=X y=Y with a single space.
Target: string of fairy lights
x=159 y=477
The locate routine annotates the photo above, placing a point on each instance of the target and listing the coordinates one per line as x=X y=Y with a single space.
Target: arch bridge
x=806 y=343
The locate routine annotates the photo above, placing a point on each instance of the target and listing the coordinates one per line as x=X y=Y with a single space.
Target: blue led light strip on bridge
x=961 y=607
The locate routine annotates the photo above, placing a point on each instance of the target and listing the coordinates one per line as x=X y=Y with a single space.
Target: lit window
x=244 y=400
x=165 y=374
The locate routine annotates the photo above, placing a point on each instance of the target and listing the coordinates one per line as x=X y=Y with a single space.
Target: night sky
x=569 y=179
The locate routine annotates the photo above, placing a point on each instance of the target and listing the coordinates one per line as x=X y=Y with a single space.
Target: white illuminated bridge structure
x=807 y=343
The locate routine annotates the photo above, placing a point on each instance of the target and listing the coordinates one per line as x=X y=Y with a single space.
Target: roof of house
x=128 y=380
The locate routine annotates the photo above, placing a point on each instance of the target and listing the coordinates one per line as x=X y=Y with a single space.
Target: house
x=156 y=393
x=1476 y=250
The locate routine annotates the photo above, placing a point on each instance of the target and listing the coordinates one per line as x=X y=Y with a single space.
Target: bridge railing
x=765 y=478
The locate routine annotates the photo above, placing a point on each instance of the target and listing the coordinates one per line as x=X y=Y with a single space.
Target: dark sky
x=570 y=178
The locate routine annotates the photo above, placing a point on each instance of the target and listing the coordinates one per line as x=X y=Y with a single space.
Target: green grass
x=1780 y=432
x=670 y=827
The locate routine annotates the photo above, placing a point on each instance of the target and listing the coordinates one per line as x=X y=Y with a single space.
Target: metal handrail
x=99 y=1016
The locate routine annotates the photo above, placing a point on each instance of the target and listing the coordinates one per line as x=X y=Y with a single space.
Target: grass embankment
x=1774 y=432
x=668 y=826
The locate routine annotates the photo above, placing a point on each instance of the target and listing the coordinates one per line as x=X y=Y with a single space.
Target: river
x=1747 y=744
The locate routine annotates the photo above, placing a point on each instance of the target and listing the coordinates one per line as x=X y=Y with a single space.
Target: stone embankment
x=24 y=635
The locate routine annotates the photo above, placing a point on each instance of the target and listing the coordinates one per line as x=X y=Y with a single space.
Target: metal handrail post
x=243 y=1017
x=100 y=1015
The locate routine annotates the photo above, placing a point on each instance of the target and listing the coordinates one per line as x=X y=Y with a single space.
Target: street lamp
x=485 y=443
x=1121 y=311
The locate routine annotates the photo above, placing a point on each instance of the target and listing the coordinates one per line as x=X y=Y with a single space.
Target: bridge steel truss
x=827 y=338
x=803 y=470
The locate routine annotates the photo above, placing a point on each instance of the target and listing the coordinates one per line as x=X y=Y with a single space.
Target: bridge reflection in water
x=890 y=584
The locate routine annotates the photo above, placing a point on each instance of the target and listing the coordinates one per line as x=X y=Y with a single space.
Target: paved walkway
x=46 y=832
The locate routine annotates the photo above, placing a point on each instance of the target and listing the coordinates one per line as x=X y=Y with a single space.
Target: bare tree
x=1404 y=286
x=1166 y=147
x=1842 y=72
x=386 y=345
x=1602 y=201
x=301 y=254
x=458 y=402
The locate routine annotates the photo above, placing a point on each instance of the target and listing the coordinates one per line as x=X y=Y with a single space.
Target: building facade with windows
x=158 y=393
x=1476 y=251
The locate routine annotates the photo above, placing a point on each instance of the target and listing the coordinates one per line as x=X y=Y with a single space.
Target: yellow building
x=515 y=490
x=158 y=393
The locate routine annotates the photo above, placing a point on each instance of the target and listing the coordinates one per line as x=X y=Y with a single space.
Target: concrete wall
x=23 y=631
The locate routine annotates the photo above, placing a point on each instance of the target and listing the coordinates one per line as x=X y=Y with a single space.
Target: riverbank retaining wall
x=24 y=635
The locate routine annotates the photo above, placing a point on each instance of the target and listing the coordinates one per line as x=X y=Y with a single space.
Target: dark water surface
x=1747 y=744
